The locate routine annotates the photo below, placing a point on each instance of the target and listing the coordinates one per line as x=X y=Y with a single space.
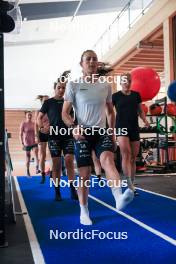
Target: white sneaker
x=85 y=220
x=124 y=199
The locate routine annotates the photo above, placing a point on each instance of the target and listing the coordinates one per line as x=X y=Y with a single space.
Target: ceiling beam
x=161 y=39
x=41 y=1
x=156 y=35
x=149 y=56
x=135 y=65
x=55 y=9
x=151 y=51
x=77 y=9
x=158 y=49
x=126 y=58
x=146 y=59
x=126 y=67
x=118 y=72
x=145 y=62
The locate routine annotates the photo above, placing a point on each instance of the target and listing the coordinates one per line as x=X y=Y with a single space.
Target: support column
x=168 y=52
x=2 y=152
x=114 y=84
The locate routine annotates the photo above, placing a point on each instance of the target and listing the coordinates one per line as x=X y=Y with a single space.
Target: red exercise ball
x=171 y=109
x=146 y=81
x=145 y=108
x=155 y=109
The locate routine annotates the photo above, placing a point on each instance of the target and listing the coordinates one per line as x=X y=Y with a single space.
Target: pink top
x=28 y=131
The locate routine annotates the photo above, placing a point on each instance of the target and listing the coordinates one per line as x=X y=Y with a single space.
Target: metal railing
x=128 y=16
x=10 y=204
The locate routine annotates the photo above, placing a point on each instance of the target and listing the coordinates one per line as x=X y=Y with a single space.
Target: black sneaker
x=73 y=192
x=43 y=179
x=64 y=173
x=100 y=180
x=58 y=197
x=37 y=170
x=136 y=193
x=99 y=177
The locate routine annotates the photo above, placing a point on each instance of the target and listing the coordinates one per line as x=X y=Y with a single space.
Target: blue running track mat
x=141 y=246
x=153 y=210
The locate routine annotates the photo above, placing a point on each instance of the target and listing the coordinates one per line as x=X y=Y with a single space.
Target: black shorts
x=83 y=148
x=43 y=137
x=133 y=134
x=56 y=146
x=29 y=148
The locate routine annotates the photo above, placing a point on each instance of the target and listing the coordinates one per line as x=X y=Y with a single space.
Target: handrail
x=127 y=15
x=9 y=169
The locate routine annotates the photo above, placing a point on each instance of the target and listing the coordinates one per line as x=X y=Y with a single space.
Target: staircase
x=13 y=119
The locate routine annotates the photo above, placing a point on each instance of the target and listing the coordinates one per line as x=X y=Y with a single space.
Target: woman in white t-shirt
x=92 y=101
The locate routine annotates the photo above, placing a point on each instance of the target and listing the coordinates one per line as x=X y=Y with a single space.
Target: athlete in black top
x=53 y=108
x=57 y=141
x=42 y=137
x=128 y=107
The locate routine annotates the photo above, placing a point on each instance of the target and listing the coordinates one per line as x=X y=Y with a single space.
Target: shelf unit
x=162 y=102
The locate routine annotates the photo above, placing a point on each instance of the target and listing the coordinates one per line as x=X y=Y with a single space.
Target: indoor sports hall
x=87 y=131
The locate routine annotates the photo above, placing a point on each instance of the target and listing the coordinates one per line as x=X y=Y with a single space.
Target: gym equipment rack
x=163 y=131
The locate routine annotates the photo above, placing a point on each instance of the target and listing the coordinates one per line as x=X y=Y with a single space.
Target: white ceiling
x=82 y=32
x=43 y=50
x=41 y=1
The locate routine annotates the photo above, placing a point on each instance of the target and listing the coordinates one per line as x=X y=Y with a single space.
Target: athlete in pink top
x=28 y=133
x=27 y=138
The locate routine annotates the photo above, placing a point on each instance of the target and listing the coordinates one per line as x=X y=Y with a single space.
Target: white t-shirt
x=89 y=101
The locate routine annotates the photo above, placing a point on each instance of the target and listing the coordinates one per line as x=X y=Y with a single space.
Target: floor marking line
x=35 y=247
x=150 y=229
x=141 y=189
x=34 y=244
x=155 y=193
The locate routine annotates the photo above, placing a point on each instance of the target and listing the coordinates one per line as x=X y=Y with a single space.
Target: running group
x=85 y=104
